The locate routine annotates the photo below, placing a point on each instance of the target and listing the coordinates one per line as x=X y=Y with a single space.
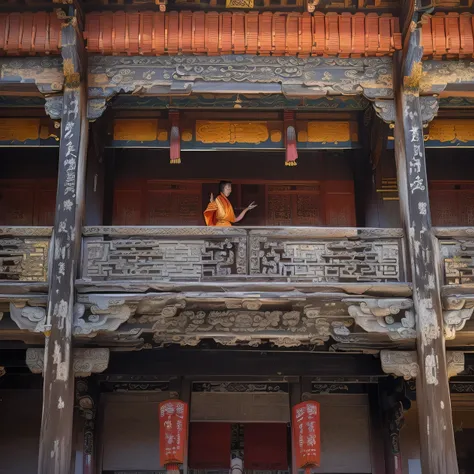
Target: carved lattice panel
x=308 y=210
x=444 y=209
x=188 y=259
x=24 y=259
x=279 y=210
x=324 y=260
x=458 y=257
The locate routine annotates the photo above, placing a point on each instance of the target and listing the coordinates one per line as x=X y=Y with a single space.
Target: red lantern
x=306 y=435
x=173 y=433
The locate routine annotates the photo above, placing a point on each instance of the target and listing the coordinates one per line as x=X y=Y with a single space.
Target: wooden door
x=175 y=203
x=26 y=202
x=157 y=203
x=452 y=203
x=339 y=203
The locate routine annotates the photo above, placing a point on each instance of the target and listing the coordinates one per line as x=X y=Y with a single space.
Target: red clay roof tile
x=153 y=33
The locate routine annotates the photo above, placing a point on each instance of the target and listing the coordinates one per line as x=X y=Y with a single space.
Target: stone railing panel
x=341 y=255
x=328 y=255
x=163 y=253
x=24 y=253
x=456 y=246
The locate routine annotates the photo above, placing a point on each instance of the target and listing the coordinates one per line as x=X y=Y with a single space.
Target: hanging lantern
x=306 y=435
x=173 y=416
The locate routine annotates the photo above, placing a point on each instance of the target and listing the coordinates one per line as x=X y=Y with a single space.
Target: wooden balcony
x=206 y=255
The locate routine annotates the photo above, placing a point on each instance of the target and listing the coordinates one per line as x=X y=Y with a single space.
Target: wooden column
x=95 y=175
x=58 y=391
x=295 y=398
x=87 y=398
x=435 y=419
x=393 y=403
x=377 y=431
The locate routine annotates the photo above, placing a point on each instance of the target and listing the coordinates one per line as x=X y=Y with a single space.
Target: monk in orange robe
x=219 y=212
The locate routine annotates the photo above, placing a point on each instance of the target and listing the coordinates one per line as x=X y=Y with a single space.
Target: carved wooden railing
x=456 y=246
x=24 y=253
x=346 y=255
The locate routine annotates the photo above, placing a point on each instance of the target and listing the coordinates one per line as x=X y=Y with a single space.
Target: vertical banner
x=174 y=420
x=306 y=435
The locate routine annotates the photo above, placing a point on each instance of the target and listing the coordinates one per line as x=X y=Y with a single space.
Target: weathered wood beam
x=438 y=450
x=191 y=362
x=58 y=392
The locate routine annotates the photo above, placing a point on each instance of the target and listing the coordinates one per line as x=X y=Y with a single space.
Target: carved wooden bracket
x=85 y=362
x=455 y=320
x=405 y=364
x=106 y=316
x=392 y=316
x=101 y=317
x=29 y=318
x=385 y=109
x=399 y=363
x=2 y=371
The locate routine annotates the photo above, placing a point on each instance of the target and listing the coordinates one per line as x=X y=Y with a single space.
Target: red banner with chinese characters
x=173 y=431
x=306 y=435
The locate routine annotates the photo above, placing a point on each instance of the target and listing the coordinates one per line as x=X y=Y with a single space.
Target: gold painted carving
x=275 y=136
x=19 y=129
x=142 y=130
x=239 y=3
x=231 y=132
x=302 y=136
x=446 y=131
x=329 y=132
x=162 y=135
x=187 y=136
x=34 y=266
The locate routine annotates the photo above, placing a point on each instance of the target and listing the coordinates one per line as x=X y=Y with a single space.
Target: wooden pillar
x=58 y=391
x=295 y=398
x=87 y=398
x=393 y=402
x=435 y=418
x=95 y=175
x=377 y=431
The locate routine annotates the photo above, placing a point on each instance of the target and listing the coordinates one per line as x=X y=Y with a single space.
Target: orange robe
x=219 y=213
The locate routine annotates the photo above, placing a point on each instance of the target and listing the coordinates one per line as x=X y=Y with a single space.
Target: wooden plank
x=438 y=450
x=202 y=363
x=58 y=398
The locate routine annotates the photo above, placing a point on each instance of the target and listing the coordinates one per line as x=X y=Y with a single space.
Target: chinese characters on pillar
x=173 y=416
x=306 y=435
x=416 y=172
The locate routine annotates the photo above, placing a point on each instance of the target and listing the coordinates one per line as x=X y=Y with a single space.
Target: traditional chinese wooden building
x=134 y=339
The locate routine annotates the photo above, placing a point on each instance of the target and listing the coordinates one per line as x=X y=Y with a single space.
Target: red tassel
x=290 y=138
x=291 y=151
x=175 y=139
x=172 y=468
